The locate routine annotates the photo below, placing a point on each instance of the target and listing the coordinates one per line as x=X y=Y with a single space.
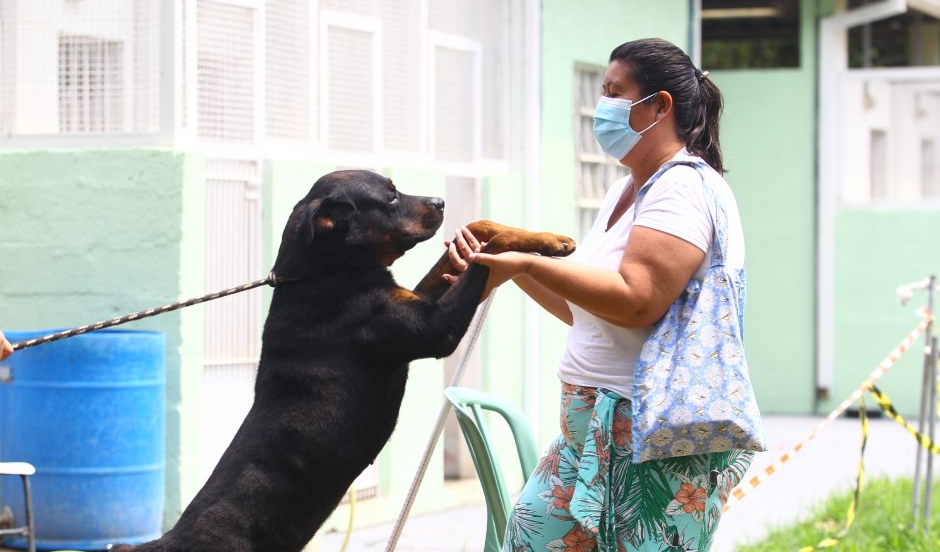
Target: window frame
x=358 y=23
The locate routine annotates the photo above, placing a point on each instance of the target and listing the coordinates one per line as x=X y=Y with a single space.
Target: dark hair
x=658 y=65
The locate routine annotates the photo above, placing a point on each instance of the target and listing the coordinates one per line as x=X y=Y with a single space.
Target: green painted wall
x=876 y=251
x=768 y=139
x=184 y=406
x=504 y=350
x=93 y=234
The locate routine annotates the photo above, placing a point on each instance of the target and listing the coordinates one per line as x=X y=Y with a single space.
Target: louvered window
x=91 y=84
x=226 y=72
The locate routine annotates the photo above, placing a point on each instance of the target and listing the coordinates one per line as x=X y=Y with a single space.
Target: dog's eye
x=393 y=196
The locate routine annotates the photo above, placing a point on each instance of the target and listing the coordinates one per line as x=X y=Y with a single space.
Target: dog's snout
x=436 y=203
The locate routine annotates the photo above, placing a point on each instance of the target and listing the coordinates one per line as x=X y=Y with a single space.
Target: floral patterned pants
x=587 y=494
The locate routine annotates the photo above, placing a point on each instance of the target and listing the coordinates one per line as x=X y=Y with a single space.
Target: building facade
x=152 y=151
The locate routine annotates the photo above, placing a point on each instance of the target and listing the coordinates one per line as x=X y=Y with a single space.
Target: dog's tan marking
x=401 y=295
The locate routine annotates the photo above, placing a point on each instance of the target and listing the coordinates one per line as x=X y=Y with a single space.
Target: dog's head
x=354 y=218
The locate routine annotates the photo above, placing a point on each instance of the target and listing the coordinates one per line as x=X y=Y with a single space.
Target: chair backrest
x=469 y=405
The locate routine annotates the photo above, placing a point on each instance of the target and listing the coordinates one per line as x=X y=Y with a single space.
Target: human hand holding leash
x=6 y=349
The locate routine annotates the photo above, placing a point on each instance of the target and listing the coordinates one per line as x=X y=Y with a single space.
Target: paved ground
x=827 y=464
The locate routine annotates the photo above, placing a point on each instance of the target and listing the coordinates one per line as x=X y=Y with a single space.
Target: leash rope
x=886 y=364
x=476 y=326
x=271 y=280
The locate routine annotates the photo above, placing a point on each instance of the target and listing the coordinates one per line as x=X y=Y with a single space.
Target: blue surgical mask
x=612 y=126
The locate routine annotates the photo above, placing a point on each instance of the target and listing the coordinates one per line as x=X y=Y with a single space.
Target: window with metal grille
x=225 y=72
x=483 y=23
x=368 y=8
x=351 y=108
x=402 y=82
x=456 y=99
x=594 y=170
x=80 y=67
x=287 y=69
x=91 y=84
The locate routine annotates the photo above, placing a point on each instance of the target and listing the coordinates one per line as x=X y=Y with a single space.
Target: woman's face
x=619 y=83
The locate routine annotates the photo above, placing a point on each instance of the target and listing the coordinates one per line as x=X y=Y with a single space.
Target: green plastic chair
x=469 y=405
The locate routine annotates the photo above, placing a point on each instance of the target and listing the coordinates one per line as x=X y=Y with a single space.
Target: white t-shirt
x=599 y=354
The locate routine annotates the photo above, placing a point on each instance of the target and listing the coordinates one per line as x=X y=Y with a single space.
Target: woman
x=657 y=108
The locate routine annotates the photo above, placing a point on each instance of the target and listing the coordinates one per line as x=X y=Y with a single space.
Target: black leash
x=271 y=280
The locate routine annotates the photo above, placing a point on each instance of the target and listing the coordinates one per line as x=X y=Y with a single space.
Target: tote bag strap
x=716 y=207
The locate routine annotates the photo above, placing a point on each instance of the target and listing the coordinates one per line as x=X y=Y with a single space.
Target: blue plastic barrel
x=89 y=413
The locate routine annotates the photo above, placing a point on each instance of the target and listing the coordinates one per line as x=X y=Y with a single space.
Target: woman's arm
x=548 y=300
x=655 y=269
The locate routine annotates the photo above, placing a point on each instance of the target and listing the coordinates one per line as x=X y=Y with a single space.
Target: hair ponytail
x=659 y=65
x=702 y=139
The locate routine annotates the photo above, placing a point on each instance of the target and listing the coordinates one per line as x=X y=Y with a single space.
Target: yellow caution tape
x=859 y=486
x=888 y=408
x=886 y=364
x=885 y=403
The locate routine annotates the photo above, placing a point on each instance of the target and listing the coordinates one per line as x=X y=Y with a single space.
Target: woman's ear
x=664 y=101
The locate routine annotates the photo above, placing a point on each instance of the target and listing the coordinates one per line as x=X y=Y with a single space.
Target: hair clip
x=702 y=75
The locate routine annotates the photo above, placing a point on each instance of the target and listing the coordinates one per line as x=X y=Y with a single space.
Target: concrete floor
x=827 y=464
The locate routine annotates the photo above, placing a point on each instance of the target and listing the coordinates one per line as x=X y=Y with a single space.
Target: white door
x=232 y=324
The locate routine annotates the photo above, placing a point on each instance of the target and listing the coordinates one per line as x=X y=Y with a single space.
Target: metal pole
x=924 y=390
x=928 y=480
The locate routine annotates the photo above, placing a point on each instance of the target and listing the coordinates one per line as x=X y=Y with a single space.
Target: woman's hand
x=6 y=349
x=504 y=266
x=460 y=249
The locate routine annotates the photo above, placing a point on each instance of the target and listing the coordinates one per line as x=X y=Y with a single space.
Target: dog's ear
x=322 y=216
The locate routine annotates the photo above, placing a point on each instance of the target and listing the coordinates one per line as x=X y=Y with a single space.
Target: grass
x=883 y=523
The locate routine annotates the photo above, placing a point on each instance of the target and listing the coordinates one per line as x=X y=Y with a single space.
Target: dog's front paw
x=554 y=245
x=543 y=243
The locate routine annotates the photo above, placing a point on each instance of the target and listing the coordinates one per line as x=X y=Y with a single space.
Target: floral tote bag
x=692 y=392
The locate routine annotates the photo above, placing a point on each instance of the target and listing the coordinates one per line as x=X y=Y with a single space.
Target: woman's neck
x=644 y=170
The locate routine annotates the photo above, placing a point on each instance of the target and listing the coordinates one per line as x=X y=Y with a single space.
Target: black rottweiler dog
x=334 y=360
